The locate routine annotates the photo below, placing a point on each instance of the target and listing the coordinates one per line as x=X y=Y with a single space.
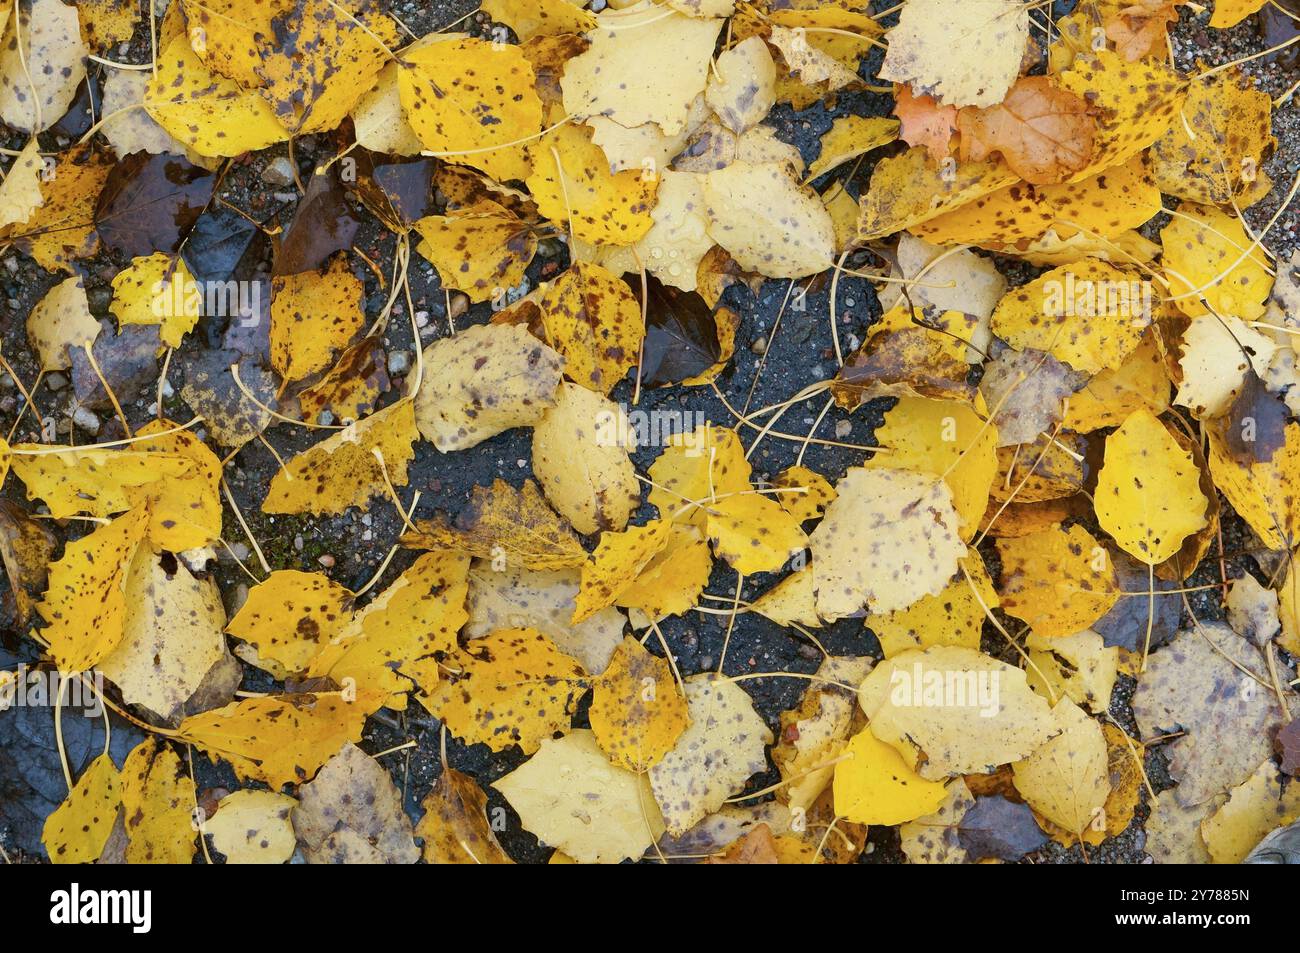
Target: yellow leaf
x=280 y=739
x=43 y=62
x=790 y=600
x=158 y=289
x=874 y=785
x=455 y=827
x=753 y=534
x=171 y=636
x=950 y=710
x=889 y=538
x=502 y=521
x=1057 y=581
x=1107 y=399
x=105 y=23
x=1254 y=808
x=227 y=35
x=253 y=827
x=208 y=113
x=1229 y=13
x=571 y=797
x=1218 y=352
x=583 y=468
x=349 y=389
x=953 y=617
x=964 y=55
x=313 y=317
x=1080 y=667
x=62 y=229
x=725 y=744
x=637 y=712
x=78 y=829
x=1213 y=266
x=1067 y=779
x=290 y=616
x=1148 y=491
x=158 y=805
x=1134 y=103
x=1217 y=156
x=1261 y=492
x=637 y=45
x=814 y=734
x=513 y=687
x=571 y=182
x=343 y=470
x=677 y=241
x=767 y=221
x=483 y=381
x=85 y=604
x=510 y=596
x=20 y=192
x=814 y=492
x=59 y=323
x=697 y=467
x=671 y=582
x=619 y=559
x=530 y=18
x=378 y=119
x=742 y=87
x=909 y=188
x=850 y=137
x=388 y=644
x=1089 y=315
x=464 y=97
x=323 y=57
x=482 y=249
x=592 y=318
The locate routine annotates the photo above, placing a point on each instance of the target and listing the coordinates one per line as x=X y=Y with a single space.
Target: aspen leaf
x=935 y=838
x=617 y=562
x=157 y=804
x=455 y=827
x=1043 y=132
x=253 y=827
x=1148 y=490
x=767 y=222
x=502 y=521
x=387 y=645
x=722 y=748
x=874 y=785
x=968 y=55
x=60 y=322
x=697 y=467
x=482 y=249
x=171 y=635
x=227 y=35
x=1213 y=266
x=678 y=240
x=291 y=615
x=939 y=709
x=1256 y=806
x=1057 y=581
x=280 y=739
x=515 y=597
x=511 y=687
x=41 y=65
x=157 y=289
x=1067 y=780
x=953 y=617
x=208 y=113
x=571 y=182
x=635 y=44
x=1089 y=315
x=790 y=600
x=850 y=137
x=343 y=470
x=351 y=388
x=1218 y=352
x=62 y=229
x=753 y=534
x=889 y=538
x=571 y=797
x=911 y=188
x=85 y=604
x=637 y=712
x=465 y=96
x=806 y=492
x=378 y=120
x=489 y=378
x=1029 y=390
x=313 y=316
x=352 y=813
x=584 y=471
x=816 y=69
x=591 y=318
x=1080 y=667
x=78 y=829
x=1260 y=491
x=671 y=582
x=742 y=85
x=1110 y=396
x=530 y=18
x=1229 y=13
x=20 y=192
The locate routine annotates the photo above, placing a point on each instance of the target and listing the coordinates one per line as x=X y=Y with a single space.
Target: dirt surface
x=771 y=363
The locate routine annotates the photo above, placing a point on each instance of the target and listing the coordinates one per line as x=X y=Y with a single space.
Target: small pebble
x=399 y=362
x=327 y=561
x=298 y=542
x=459 y=304
x=843 y=428
x=759 y=346
x=56 y=381
x=85 y=418
x=278 y=172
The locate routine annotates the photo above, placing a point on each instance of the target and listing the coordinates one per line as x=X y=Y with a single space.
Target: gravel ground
x=770 y=364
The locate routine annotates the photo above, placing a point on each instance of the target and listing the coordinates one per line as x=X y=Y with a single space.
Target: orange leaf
x=925 y=122
x=1044 y=133
x=1139 y=29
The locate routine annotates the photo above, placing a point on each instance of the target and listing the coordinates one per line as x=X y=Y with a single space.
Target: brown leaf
x=1043 y=132
x=925 y=122
x=911 y=362
x=756 y=847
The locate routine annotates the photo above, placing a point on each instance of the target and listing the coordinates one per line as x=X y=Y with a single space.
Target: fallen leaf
x=157 y=804
x=60 y=322
x=1043 y=132
x=874 y=785
x=253 y=827
x=997 y=828
x=1080 y=667
x=78 y=829
x=45 y=32
x=482 y=249
x=637 y=713
x=1057 y=581
x=1067 y=779
x=313 y=317
x=1264 y=801
x=455 y=827
x=351 y=813
x=291 y=615
x=767 y=222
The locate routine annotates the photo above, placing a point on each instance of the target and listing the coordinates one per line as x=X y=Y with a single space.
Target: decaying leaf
x=637 y=712
x=351 y=813
x=455 y=828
